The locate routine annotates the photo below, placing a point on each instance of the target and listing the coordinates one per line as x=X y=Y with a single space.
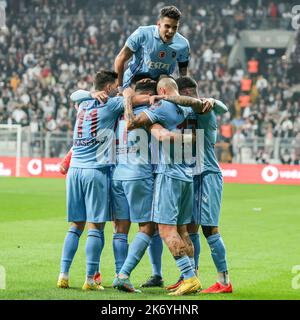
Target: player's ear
x=108 y=87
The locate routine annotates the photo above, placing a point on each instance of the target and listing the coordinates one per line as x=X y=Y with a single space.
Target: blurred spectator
x=51 y=48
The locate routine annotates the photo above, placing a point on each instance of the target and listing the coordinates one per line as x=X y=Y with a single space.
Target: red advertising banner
x=234 y=173
x=31 y=167
x=257 y=173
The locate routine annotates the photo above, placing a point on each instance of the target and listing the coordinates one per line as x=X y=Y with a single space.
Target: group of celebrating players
x=168 y=200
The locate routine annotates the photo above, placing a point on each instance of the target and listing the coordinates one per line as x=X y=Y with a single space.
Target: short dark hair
x=104 y=77
x=148 y=86
x=170 y=12
x=186 y=82
x=141 y=76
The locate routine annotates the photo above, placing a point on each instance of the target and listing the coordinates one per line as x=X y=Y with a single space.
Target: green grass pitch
x=259 y=224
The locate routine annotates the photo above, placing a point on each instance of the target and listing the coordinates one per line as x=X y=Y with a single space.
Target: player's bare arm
x=134 y=122
x=160 y=133
x=124 y=55
x=198 y=105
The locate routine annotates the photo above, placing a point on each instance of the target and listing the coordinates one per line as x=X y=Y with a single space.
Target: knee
x=79 y=225
x=164 y=232
x=209 y=230
x=147 y=228
x=122 y=226
x=98 y=226
x=193 y=228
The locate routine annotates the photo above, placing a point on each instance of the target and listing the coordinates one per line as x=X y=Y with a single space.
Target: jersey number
x=93 y=116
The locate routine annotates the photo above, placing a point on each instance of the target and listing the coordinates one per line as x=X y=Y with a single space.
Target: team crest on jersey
x=162 y=54
x=173 y=54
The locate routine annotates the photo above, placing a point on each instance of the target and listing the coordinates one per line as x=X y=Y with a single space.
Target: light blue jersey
x=170 y=116
x=208 y=182
x=208 y=123
x=152 y=55
x=94 y=133
x=133 y=155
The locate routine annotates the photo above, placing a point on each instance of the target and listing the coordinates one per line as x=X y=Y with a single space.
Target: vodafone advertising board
x=239 y=173
x=31 y=167
x=257 y=173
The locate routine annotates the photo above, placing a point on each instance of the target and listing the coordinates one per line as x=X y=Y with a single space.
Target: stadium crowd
x=51 y=48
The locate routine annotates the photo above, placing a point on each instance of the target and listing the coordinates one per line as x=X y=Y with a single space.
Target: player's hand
x=101 y=96
x=208 y=104
x=155 y=98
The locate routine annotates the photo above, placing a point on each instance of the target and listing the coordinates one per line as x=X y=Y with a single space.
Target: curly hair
x=170 y=12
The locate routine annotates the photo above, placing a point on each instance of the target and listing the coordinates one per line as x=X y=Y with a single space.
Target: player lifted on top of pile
x=155 y=50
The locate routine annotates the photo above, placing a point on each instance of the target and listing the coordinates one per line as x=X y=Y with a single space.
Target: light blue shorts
x=132 y=200
x=88 y=195
x=207 y=200
x=172 y=201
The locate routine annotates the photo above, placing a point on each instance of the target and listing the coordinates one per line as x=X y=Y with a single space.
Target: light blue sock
x=155 y=253
x=103 y=242
x=93 y=249
x=184 y=264
x=218 y=251
x=195 y=238
x=120 y=247
x=69 y=248
x=192 y=261
x=135 y=252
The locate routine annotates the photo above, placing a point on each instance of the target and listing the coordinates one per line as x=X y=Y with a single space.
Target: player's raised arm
x=80 y=95
x=183 y=59
x=134 y=121
x=124 y=55
x=203 y=105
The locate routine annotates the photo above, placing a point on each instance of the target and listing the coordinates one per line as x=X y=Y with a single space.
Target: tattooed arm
x=198 y=105
x=203 y=105
x=133 y=121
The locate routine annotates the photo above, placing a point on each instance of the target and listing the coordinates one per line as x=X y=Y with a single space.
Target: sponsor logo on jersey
x=162 y=54
x=158 y=65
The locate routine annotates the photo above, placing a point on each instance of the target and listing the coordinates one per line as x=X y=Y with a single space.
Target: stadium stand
x=51 y=48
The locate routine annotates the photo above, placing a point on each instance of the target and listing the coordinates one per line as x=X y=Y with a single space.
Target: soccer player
x=155 y=50
x=207 y=187
x=132 y=183
x=172 y=203
x=88 y=177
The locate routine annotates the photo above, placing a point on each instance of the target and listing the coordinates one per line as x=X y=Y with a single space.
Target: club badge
x=162 y=54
